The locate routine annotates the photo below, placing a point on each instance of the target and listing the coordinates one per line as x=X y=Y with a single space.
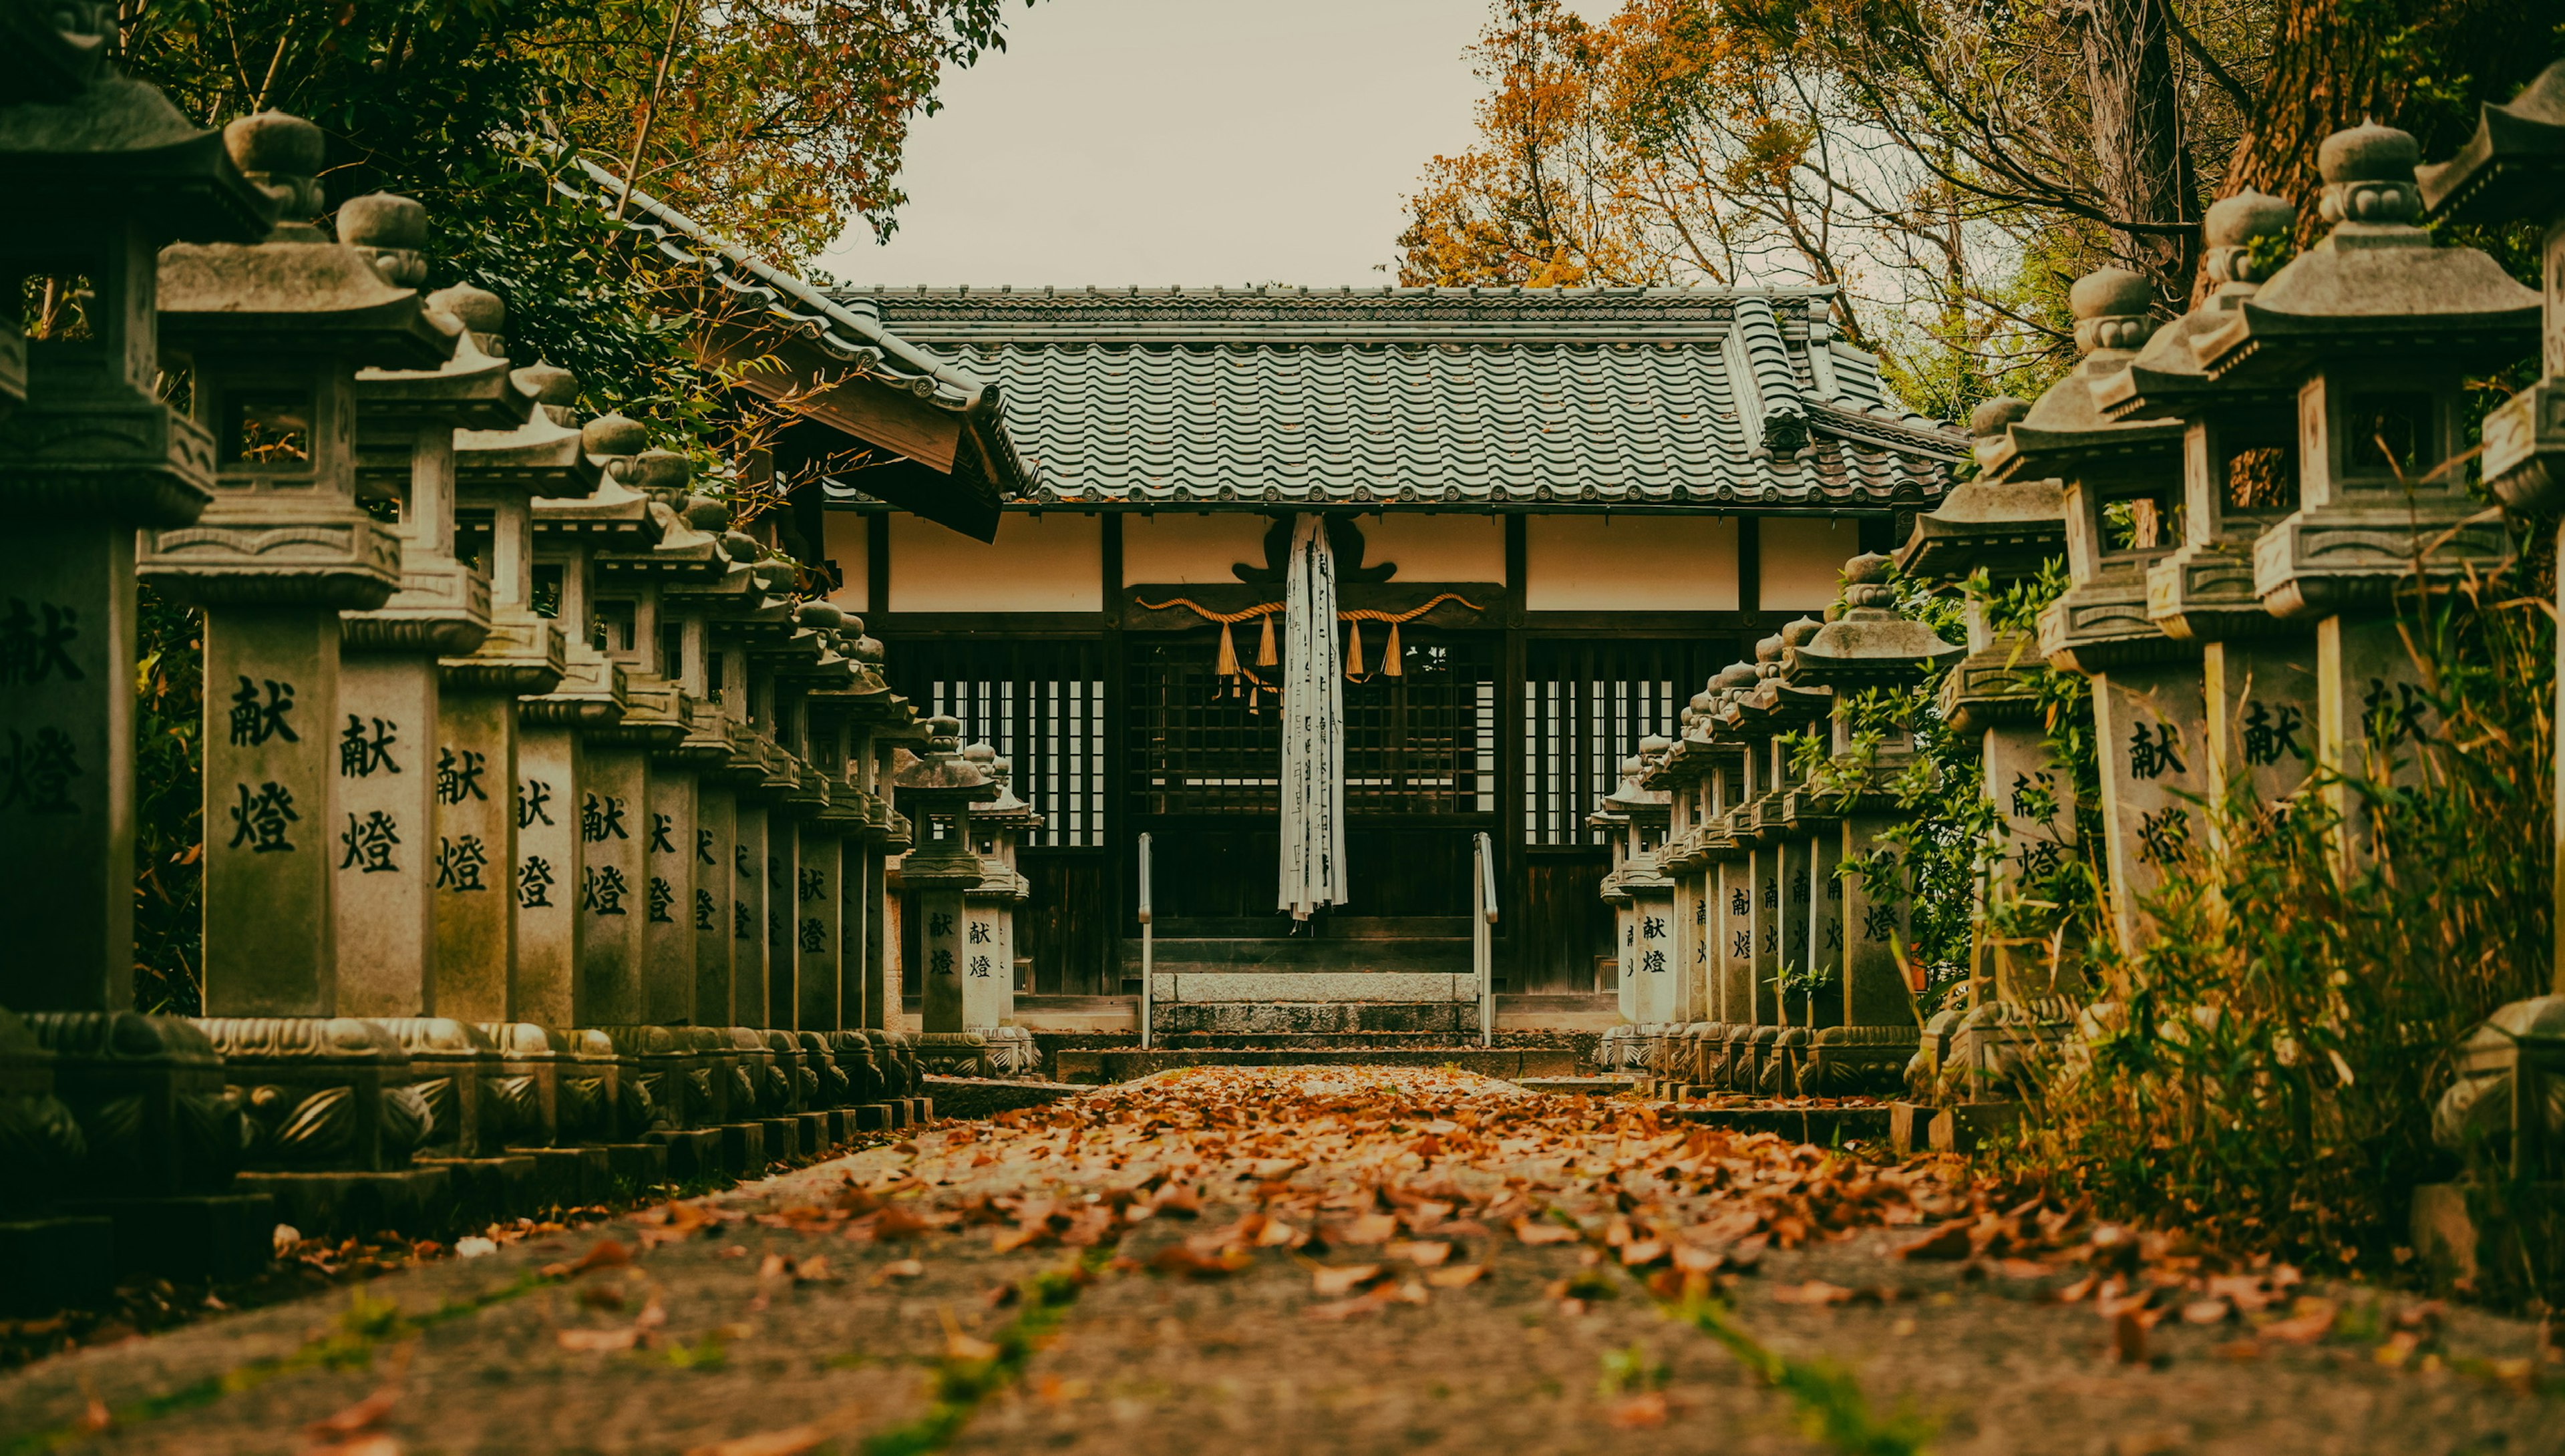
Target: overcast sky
x=1195 y=141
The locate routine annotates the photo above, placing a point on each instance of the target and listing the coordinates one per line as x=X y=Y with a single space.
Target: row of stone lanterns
x=546 y=836
x=2253 y=500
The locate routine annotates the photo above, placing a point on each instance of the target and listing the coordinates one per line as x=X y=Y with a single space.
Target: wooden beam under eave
x=811 y=384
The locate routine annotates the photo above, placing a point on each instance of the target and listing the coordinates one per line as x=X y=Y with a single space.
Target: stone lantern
x=1633 y=821
x=1682 y=771
x=107 y=170
x=763 y=775
x=2011 y=528
x=1767 y=716
x=388 y=723
x=2376 y=329
x=1863 y=1038
x=2123 y=490
x=718 y=750
x=2239 y=477
x=886 y=713
x=1729 y=929
x=989 y=988
x=808 y=664
x=276 y=331
x=840 y=839
x=480 y=793
x=662 y=705
x=937 y=789
x=581 y=828
x=2506 y=1099
x=1741 y=719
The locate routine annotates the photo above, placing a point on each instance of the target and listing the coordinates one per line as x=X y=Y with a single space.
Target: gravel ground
x=813 y=1313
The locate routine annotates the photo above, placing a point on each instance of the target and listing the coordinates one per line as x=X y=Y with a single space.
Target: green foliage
x=168 y=810
x=2264 y=1069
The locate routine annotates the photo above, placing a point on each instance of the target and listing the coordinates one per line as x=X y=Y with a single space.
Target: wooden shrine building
x=1565 y=508
x=1554 y=514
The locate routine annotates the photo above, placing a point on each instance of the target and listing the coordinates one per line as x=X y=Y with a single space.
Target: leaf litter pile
x=1387 y=1188
x=1387 y=1185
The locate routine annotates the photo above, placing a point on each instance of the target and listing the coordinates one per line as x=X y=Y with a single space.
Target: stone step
x=1446 y=1019
x=1374 y=986
x=1303 y=955
x=1109 y=1065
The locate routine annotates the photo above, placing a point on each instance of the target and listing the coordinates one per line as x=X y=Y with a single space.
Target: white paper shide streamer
x=1314 y=739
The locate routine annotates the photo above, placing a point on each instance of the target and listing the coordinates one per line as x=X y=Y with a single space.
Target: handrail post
x=1483 y=907
x=1148 y=947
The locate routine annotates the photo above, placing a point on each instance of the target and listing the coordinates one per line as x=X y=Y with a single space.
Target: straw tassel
x=1394 y=662
x=1227 y=666
x=1353 y=654
x=1266 y=656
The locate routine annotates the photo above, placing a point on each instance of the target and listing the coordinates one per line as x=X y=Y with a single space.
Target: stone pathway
x=1340 y=1259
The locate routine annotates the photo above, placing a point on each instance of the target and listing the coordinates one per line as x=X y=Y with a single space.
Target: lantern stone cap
x=2007 y=527
x=1870 y=643
x=1629 y=799
x=2376 y=284
x=2168 y=377
x=2514 y=166
x=540 y=456
x=612 y=515
x=1007 y=811
x=1778 y=700
x=472 y=390
x=2065 y=426
x=941 y=774
x=297 y=292
x=89 y=143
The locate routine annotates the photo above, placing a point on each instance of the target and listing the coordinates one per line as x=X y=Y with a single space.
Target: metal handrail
x=1148 y=946
x=1482 y=890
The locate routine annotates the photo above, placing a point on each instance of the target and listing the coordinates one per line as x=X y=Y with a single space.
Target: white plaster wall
x=843 y=541
x=1437 y=548
x=1167 y=547
x=1053 y=562
x=1804 y=560
x=1629 y=562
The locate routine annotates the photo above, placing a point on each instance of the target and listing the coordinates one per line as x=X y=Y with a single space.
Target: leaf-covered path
x=1319 y=1259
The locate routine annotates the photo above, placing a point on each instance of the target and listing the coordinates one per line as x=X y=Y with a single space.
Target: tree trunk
x=2137 y=138
x=2422 y=65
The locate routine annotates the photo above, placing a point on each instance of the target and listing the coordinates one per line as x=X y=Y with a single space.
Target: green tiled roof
x=1487 y=397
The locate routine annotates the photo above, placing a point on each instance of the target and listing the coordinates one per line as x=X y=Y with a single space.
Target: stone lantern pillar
x=2376 y=329
x=761 y=776
x=664 y=702
x=938 y=789
x=896 y=836
x=480 y=795
x=1729 y=936
x=991 y=913
x=1868 y=646
x=107 y=171
x=1757 y=875
x=2240 y=474
x=1682 y=772
x=388 y=722
x=1788 y=929
x=2505 y=1100
x=2009 y=527
x=881 y=712
x=693 y=612
x=131 y=1169
x=276 y=331
x=805 y=851
x=1634 y=821
x=579 y=785
x=2122 y=489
